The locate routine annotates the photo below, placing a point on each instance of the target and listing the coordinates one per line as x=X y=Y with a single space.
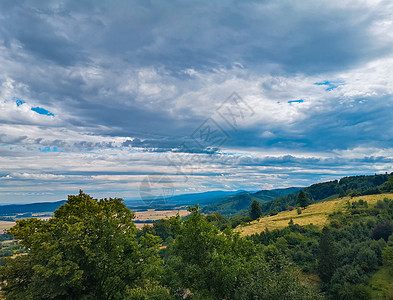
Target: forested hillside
x=237 y=203
x=274 y=201
x=351 y=186
x=350 y=255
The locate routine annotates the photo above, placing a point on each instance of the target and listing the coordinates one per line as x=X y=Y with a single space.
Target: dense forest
x=239 y=203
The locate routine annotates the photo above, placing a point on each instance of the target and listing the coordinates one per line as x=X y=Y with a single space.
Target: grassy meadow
x=316 y=214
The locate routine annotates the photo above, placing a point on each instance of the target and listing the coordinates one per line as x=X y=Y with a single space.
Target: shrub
x=382 y=231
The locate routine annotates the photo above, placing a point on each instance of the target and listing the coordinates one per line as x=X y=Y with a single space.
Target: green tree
x=388 y=185
x=382 y=231
x=327 y=262
x=387 y=255
x=341 y=193
x=302 y=199
x=222 y=265
x=255 y=210
x=88 y=250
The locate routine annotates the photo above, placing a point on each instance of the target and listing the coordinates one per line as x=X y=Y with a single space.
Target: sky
x=136 y=99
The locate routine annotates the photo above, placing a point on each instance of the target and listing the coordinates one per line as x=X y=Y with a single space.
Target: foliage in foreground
x=345 y=254
x=215 y=265
x=91 y=249
x=88 y=250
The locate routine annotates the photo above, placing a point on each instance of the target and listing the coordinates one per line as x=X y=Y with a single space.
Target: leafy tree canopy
x=88 y=250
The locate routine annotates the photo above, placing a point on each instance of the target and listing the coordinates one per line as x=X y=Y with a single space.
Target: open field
x=149 y=215
x=316 y=214
x=6 y=225
x=154 y=215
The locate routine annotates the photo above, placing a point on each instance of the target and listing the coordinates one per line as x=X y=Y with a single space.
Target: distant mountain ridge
x=237 y=202
x=31 y=207
x=178 y=200
x=234 y=204
x=203 y=198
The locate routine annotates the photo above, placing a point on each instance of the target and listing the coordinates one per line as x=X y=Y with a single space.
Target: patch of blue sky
x=331 y=85
x=42 y=111
x=19 y=101
x=49 y=149
x=296 y=101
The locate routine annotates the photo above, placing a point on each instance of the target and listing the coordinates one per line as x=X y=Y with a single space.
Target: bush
x=273 y=212
x=355 y=291
x=299 y=211
x=382 y=231
x=290 y=208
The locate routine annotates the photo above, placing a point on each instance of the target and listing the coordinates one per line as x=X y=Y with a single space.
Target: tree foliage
x=302 y=199
x=223 y=265
x=255 y=210
x=382 y=231
x=327 y=262
x=88 y=250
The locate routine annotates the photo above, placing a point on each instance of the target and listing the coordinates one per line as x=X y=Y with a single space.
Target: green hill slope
x=316 y=214
x=239 y=203
x=279 y=199
x=352 y=186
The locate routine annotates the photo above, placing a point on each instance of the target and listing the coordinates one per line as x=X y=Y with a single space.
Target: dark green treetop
x=255 y=210
x=302 y=199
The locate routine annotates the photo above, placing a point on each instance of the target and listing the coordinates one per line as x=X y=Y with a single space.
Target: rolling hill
x=351 y=186
x=239 y=203
x=30 y=208
x=316 y=214
x=274 y=201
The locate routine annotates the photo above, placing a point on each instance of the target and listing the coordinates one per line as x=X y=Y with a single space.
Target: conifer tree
x=327 y=263
x=255 y=210
x=302 y=199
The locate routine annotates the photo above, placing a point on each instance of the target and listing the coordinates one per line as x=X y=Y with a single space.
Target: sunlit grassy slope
x=314 y=214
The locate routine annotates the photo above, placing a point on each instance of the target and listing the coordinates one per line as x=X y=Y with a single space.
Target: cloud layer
x=96 y=95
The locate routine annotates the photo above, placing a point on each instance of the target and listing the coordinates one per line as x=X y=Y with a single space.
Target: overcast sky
x=109 y=96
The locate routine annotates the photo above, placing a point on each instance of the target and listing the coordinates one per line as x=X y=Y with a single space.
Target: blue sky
x=97 y=95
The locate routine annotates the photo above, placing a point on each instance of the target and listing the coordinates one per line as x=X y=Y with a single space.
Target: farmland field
x=6 y=225
x=154 y=215
x=148 y=216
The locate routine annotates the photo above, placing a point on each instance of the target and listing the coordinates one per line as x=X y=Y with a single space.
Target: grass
x=381 y=284
x=316 y=214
